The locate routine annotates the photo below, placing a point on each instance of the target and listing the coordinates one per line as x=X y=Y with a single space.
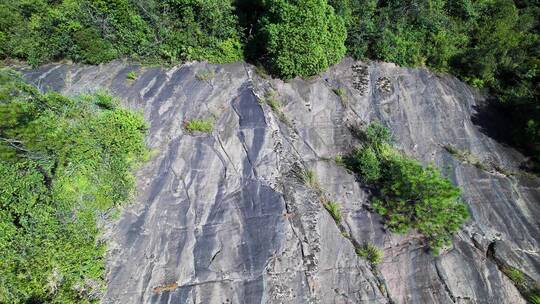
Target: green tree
x=420 y=198
x=301 y=37
x=64 y=162
x=199 y=30
x=408 y=195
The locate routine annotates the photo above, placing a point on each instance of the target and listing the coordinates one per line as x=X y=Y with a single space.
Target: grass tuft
x=132 y=75
x=310 y=178
x=371 y=253
x=334 y=210
x=534 y=298
x=466 y=157
x=515 y=275
x=342 y=94
x=200 y=125
x=261 y=71
x=340 y=161
x=271 y=99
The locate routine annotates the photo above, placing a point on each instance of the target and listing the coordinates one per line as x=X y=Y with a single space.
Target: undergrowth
x=64 y=163
x=407 y=194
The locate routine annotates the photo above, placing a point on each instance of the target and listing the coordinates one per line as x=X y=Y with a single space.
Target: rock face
x=226 y=217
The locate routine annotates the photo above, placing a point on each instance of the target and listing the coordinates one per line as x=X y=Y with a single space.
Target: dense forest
x=491 y=44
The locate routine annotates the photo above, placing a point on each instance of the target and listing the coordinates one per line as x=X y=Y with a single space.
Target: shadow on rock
x=498 y=121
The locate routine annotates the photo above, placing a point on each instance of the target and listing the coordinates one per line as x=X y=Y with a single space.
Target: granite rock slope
x=230 y=217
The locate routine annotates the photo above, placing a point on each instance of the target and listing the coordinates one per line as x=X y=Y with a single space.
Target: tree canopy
x=302 y=37
x=65 y=163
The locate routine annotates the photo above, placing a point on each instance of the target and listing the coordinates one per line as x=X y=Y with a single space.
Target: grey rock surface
x=226 y=218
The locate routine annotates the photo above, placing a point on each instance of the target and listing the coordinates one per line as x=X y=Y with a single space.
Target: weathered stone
x=224 y=218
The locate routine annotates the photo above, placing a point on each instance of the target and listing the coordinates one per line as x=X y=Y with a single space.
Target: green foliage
x=534 y=298
x=301 y=37
x=528 y=288
x=200 y=125
x=64 y=162
x=340 y=161
x=334 y=210
x=377 y=135
x=367 y=164
x=491 y=44
x=272 y=100
x=371 y=253
x=466 y=157
x=339 y=92
x=515 y=275
x=408 y=195
x=359 y=17
x=261 y=70
x=199 y=30
x=419 y=198
x=132 y=75
x=98 y=31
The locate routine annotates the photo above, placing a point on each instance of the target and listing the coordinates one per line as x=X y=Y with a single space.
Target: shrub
x=64 y=162
x=230 y=50
x=420 y=198
x=200 y=125
x=408 y=195
x=367 y=164
x=334 y=210
x=377 y=134
x=301 y=37
x=102 y=98
x=99 y=31
x=534 y=298
x=371 y=253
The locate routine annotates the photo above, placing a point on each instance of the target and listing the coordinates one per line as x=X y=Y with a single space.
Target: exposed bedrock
x=225 y=217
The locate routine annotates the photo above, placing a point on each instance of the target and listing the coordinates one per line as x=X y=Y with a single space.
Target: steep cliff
x=225 y=217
